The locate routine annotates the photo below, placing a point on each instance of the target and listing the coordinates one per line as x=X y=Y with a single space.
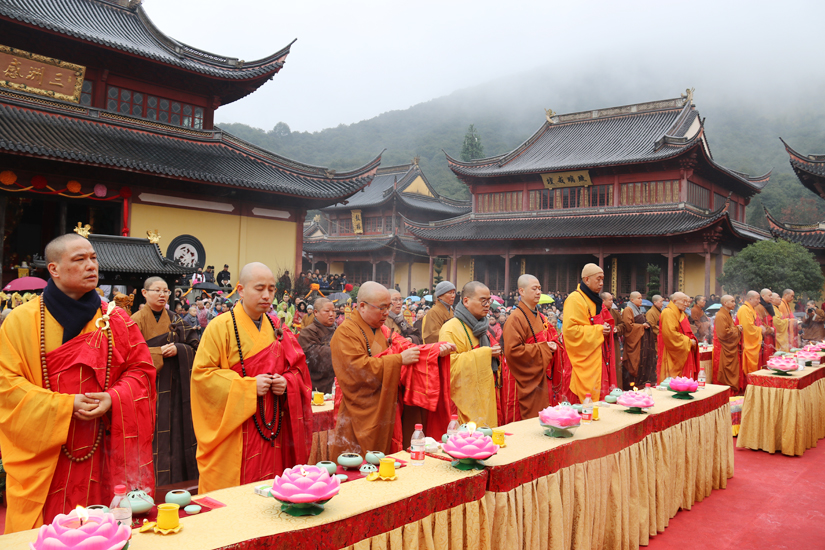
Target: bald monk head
x=72 y=265
x=766 y=294
x=607 y=299
x=728 y=302
x=374 y=303
x=680 y=299
x=475 y=296
x=156 y=293
x=529 y=289
x=256 y=287
x=396 y=301
x=636 y=298
x=752 y=298
x=658 y=301
x=775 y=299
x=700 y=301
x=788 y=295
x=324 y=311
x=593 y=277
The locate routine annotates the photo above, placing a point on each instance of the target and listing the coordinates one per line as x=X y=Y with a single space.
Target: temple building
x=810 y=169
x=107 y=121
x=365 y=237
x=624 y=187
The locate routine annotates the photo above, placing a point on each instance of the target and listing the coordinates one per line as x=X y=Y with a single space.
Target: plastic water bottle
x=701 y=379
x=120 y=507
x=334 y=383
x=417 y=446
x=452 y=427
x=587 y=409
x=648 y=390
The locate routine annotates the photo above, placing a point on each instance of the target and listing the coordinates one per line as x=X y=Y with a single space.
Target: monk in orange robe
x=752 y=331
x=250 y=392
x=678 y=347
x=584 y=333
x=784 y=323
x=765 y=312
x=639 y=362
x=369 y=364
x=726 y=338
x=528 y=350
x=97 y=408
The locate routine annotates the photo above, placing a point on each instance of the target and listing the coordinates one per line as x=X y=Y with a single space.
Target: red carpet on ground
x=773 y=501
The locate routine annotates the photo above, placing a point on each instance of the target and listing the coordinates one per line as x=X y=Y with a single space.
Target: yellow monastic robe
x=784 y=327
x=583 y=341
x=751 y=338
x=221 y=399
x=675 y=347
x=472 y=383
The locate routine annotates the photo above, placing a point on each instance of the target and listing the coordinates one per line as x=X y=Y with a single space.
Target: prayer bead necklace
x=49 y=385
x=278 y=413
x=366 y=341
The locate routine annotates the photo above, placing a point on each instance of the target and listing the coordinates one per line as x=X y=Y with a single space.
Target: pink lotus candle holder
x=80 y=530
x=469 y=448
x=303 y=490
x=635 y=401
x=683 y=387
x=783 y=365
x=561 y=421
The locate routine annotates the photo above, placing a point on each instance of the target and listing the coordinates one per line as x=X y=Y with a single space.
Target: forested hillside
x=743 y=134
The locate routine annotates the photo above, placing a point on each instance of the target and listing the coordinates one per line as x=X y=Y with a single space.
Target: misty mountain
x=743 y=129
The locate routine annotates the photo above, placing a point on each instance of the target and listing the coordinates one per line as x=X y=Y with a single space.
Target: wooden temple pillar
x=717 y=287
x=707 y=270
x=374 y=268
x=487 y=273
x=392 y=270
x=299 y=242
x=409 y=277
x=669 y=257
x=454 y=265
x=545 y=284
x=506 y=274
x=633 y=274
x=430 y=280
x=601 y=257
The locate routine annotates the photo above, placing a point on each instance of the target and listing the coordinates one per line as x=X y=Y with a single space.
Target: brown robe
x=726 y=348
x=813 y=328
x=405 y=330
x=314 y=340
x=652 y=317
x=699 y=323
x=527 y=362
x=174 y=445
x=434 y=320
x=369 y=388
x=639 y=361
x=617 y=347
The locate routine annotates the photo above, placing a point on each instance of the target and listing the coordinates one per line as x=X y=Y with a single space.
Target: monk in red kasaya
x=77 y=395
x=250 y=392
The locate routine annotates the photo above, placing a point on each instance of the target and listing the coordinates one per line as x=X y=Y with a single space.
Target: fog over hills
x=743 y=122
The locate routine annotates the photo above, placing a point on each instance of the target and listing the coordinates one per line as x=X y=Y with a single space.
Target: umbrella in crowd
x=206 y=286
x=414 y=298
x=647 y=303
x=497 y=299
x=24 y=284
x=712 y=308
x=546 y=299
x=429 y=297
x=339 y=297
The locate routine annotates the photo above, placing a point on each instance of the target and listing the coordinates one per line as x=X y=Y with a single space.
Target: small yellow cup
x=498 y=436
x=387 y=467
x=595 y=412
x=317 y=398
x=168 y=516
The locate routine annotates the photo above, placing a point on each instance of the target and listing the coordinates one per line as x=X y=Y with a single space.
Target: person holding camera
x=813 y=326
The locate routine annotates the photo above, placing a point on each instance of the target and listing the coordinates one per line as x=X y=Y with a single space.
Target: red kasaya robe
x=609 y=353
x=691 y=368
x=42 y=482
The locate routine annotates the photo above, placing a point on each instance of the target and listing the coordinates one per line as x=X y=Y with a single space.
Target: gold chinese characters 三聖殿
x=28 y=72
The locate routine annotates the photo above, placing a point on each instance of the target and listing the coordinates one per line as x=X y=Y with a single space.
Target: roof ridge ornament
x=83 y=230
x=550 y=114
x=153 y=235
x=688 y=95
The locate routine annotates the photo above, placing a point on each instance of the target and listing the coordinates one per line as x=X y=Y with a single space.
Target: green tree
x=773 y=264
x=438 y=266
x=472 y=148
x=654 y=272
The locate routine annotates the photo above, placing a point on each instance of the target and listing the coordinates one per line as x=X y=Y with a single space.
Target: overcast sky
x=354 y=60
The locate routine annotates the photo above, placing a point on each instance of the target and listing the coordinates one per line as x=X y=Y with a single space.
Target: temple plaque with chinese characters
x=36 y=74
x=357 y=226
x=578 y=178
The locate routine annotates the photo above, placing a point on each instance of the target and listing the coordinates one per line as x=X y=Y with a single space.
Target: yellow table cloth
x=616 y=482
x=323 y=423
x=783 y=413
x=429 y=506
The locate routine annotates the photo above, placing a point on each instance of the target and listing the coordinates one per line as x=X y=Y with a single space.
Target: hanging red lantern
x=73 y=186
x=39 y=182
x=100 y=190
x=126 y=192
x=7 y=177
